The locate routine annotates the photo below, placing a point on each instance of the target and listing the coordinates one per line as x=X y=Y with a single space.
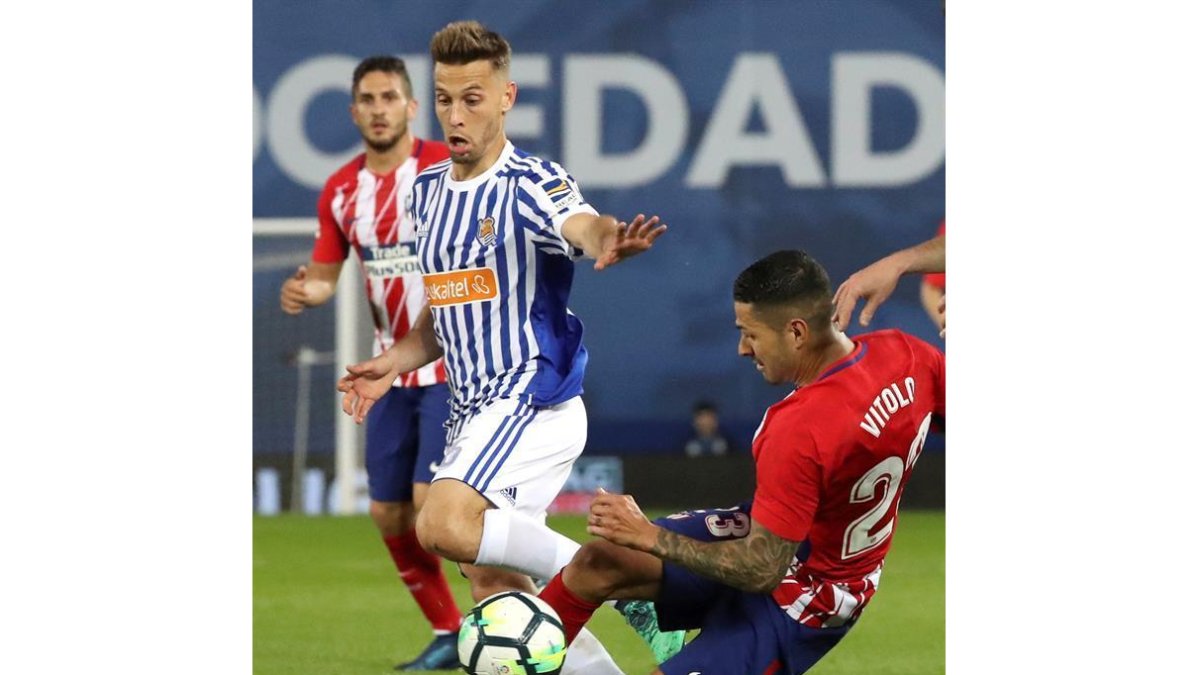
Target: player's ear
x=412 y=109
x=798 y=328
x=510 y=97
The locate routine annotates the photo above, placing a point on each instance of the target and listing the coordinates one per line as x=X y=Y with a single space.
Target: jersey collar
x=471 y=183
x=860 y=350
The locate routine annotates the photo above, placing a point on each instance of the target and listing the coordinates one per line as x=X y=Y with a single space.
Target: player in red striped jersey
x=363 y=207
x=774 y=584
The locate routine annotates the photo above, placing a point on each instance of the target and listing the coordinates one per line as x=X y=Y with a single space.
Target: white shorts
x=515 y=455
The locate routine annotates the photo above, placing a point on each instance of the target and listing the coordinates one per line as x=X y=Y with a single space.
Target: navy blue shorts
x=406 y=437
x=740 y=632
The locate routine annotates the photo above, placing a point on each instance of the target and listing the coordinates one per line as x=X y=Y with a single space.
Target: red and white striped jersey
x=370 y=213
x=831 y=462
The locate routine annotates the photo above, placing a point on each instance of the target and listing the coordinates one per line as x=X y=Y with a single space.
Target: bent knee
x=599 y=569
x=450 y=533
x=602 y=570
x=598 y=556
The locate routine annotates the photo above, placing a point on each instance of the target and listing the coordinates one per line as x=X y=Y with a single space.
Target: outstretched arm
x=608 y=241
x=876 y=282
x=755 y=563
x=367 y=382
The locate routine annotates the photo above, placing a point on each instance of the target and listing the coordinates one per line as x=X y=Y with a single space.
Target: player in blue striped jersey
x=498 y=231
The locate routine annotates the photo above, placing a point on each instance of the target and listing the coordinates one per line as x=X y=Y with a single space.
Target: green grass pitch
x=327 y=601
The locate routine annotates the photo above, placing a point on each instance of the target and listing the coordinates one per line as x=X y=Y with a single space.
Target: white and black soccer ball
x=512 y=633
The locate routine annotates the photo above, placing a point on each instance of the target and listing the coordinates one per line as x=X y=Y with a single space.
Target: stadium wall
x=658 y=482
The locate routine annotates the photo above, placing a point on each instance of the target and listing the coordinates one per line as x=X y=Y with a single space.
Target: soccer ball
x=512 y=633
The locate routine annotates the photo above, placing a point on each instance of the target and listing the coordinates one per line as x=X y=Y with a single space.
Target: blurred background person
x=362 y=208
x=707 y=439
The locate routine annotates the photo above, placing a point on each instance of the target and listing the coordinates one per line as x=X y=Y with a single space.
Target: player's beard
x=386 y=144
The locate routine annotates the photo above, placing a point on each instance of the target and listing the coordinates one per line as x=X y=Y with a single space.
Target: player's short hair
x=463 y=42
x=791 y=280
x=704 y=406
x=384 y=64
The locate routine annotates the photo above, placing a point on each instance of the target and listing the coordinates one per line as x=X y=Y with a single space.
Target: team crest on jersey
x=487 y=231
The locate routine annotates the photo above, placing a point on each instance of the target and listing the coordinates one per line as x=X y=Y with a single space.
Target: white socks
x=587 y=657
x=519 y=542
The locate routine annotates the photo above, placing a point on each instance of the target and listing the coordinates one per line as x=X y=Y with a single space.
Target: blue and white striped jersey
x=497 y=274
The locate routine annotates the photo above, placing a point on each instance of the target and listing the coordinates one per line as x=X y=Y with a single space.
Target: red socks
x=422 y=573
x=572 y=609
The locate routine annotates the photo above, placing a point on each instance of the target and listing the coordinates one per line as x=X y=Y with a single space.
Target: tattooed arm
x=754 y=563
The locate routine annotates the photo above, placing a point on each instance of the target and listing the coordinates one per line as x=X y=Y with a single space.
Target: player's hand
x=618 y=519
x=365 y=383
x=874 y=283
x=630 y=239
x=293 y=296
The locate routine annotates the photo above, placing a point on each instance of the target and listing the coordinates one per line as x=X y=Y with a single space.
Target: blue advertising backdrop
x=747 y=126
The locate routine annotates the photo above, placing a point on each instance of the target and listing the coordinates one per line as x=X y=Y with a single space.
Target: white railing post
x=347 y=301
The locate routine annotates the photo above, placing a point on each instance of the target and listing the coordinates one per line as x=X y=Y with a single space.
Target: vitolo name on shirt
x=890 y=400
